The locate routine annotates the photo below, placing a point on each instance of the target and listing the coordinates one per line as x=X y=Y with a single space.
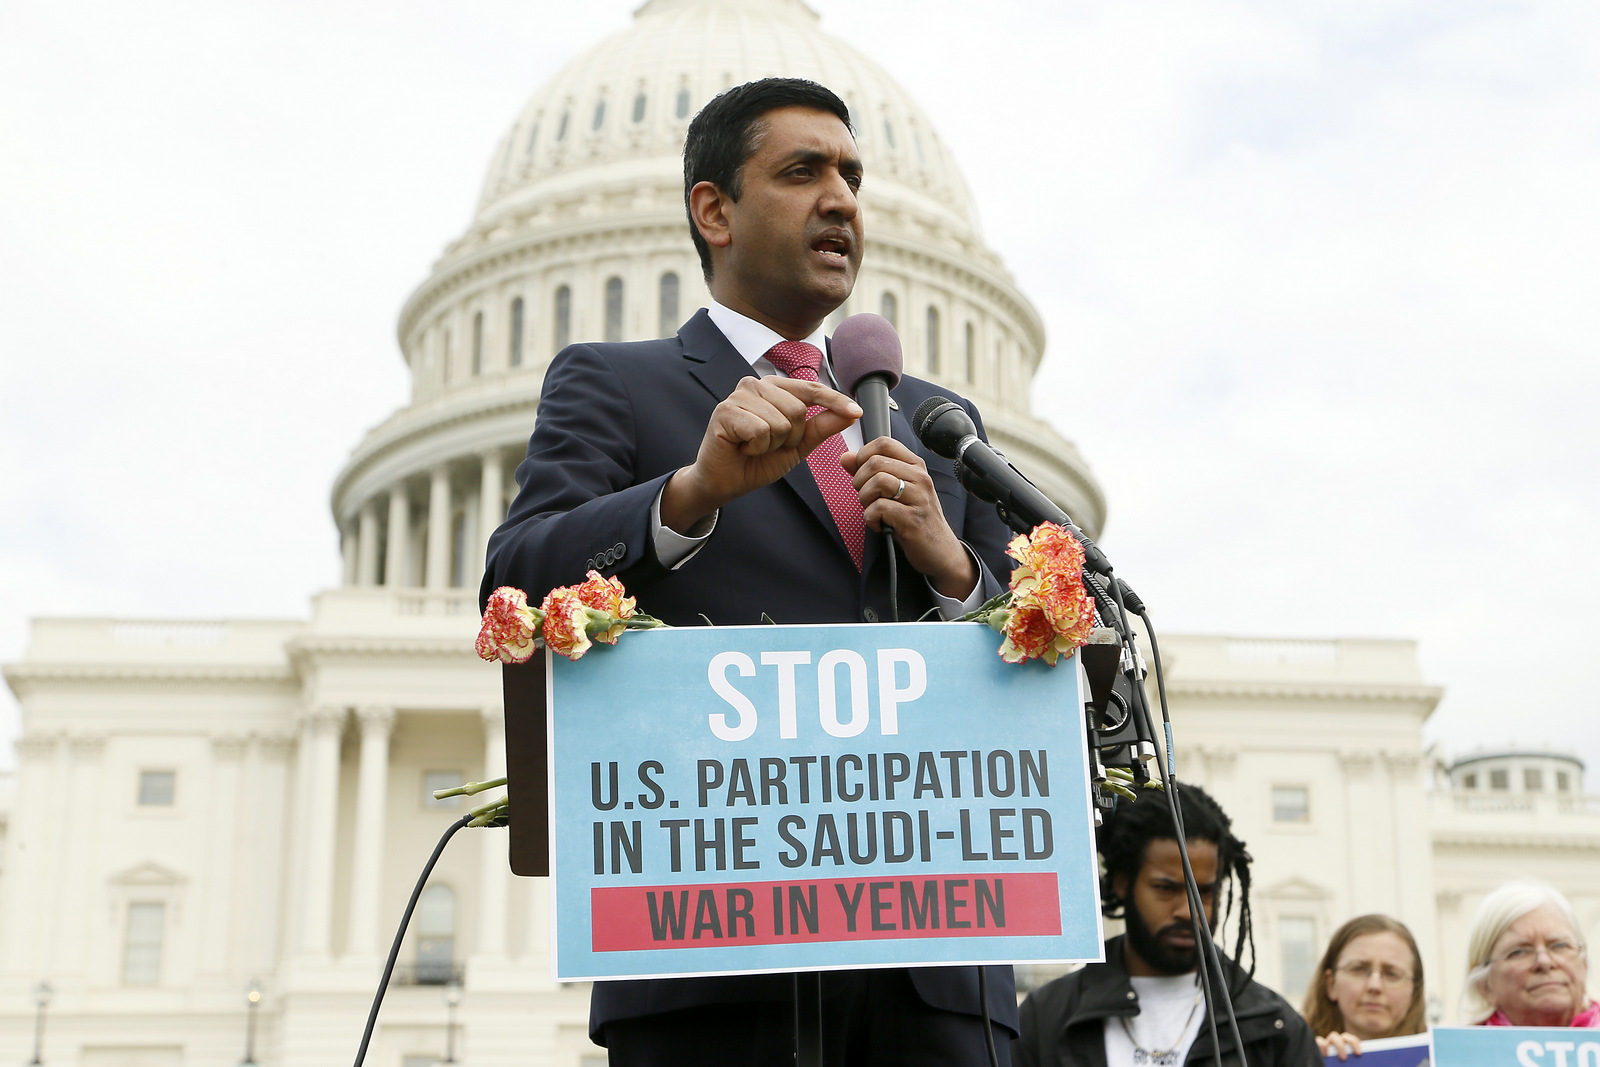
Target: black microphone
x=944 y=426
x=867 y=363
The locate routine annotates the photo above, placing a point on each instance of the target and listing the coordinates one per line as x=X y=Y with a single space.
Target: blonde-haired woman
x=1527 y=961
x=1369 y=985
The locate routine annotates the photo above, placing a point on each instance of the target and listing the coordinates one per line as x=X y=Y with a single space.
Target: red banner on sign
x=630 y=918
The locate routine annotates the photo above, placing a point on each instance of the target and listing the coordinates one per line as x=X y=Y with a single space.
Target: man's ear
x=1119 y=886
x=708 y=209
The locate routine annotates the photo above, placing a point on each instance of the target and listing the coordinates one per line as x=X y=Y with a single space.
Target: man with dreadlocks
x=1143 y=1007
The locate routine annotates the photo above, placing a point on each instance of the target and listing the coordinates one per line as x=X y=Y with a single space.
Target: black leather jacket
x=1063 y=1022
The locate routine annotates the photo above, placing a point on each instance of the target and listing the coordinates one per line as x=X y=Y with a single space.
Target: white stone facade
x=205 y=803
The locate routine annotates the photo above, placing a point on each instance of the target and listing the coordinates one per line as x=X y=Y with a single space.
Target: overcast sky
x=1320 y=282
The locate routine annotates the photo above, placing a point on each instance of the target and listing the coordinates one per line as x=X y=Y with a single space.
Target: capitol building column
x=491 y=499
x=323 y=725
x=398 y=548
x=367 y=545
x=494 y=874
x=366 y=878
x=439 y=508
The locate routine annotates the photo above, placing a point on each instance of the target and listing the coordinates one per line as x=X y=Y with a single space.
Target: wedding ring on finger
x=900 y=490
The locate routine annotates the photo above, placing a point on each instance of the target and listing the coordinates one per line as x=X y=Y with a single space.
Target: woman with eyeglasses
x=1527 y=962
x=1369 y=986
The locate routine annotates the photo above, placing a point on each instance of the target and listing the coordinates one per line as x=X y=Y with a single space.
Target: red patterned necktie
x=800 y=360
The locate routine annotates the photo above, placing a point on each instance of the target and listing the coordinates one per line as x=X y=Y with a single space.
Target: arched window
x=477 y=343
x=933 y=339
x=599 y=114
x=561 y=130
x=972 y=349
x=888 y=132
x=533 y=139
x=613 y=309
x=436 y=935
x=889 y=308
x=563 y=317
x=516 y=332
x=638 y=108
x=669 y=304
x=444 y=354
x=682 y=108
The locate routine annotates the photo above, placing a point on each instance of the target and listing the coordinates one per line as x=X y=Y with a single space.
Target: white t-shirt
x=1168 y=1022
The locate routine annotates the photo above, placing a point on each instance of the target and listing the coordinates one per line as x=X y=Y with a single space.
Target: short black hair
x=728 y=130
x=1127 y=834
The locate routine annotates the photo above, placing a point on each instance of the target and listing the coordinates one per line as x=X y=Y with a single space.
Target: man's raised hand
x=755 y=436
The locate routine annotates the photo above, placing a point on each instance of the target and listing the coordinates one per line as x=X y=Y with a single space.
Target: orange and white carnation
x=566 y=622
x=510 y=631
x=607 y=597
x=1047 y=612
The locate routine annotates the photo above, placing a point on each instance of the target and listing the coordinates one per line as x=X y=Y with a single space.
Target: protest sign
x=1515 y=1046
x=769 y=798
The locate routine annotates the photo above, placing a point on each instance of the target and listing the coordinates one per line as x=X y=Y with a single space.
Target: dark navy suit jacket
x=614 y=422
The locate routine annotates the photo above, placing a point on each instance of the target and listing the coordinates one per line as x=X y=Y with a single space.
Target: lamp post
x=252 y=1001
x=41 y=996
x=452 y=1000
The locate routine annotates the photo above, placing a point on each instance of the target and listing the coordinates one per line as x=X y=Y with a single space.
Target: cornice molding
x=1491 y=839
x=25 y=676
x=1425 y=694
x=304 y=649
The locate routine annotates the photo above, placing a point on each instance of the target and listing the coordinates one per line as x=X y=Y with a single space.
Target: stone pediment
x=1296 y=889
x=148 y=876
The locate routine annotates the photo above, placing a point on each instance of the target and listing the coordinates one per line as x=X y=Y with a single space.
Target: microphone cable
x=1207 y=956
x=400 y=934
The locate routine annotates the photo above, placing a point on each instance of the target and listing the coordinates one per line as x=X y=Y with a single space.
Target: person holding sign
x=1528 y=962
x=1370 y=987
x=1143 y=1007
x=720 y=475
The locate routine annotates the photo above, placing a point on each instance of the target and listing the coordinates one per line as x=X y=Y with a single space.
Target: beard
x=1150 y=946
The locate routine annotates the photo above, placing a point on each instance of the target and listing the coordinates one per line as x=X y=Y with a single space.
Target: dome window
x=533 y=140
x=889 y=308
x=916 y=142
x=599 y=115
x=669 y=304
x=613 y=309
x=516 y=332
x=638 y=108
x=682 y=108
x=972 y=351
x=477 y=344
x=888 y=132
x=561 y=130
x=563 y=317
x=933 y=339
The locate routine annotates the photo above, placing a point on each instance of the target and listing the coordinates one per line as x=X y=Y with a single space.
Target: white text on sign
x=891 y=694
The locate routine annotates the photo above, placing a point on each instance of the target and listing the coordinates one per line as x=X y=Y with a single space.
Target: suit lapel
x=718 y=366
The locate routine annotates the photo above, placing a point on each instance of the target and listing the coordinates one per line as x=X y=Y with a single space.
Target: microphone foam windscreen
x=863 y=345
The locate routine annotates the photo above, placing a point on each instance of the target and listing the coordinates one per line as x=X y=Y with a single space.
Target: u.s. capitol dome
x=580 y=234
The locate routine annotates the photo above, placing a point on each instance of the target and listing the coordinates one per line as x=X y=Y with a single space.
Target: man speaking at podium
x=689 y=468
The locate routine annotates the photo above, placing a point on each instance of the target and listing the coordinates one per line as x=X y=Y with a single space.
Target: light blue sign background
x=1515 y=1046
x=649 y=698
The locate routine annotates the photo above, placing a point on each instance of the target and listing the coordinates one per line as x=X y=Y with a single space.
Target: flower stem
x=468 y=789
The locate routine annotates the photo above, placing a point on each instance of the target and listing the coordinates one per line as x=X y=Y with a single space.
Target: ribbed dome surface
x=629 y=100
